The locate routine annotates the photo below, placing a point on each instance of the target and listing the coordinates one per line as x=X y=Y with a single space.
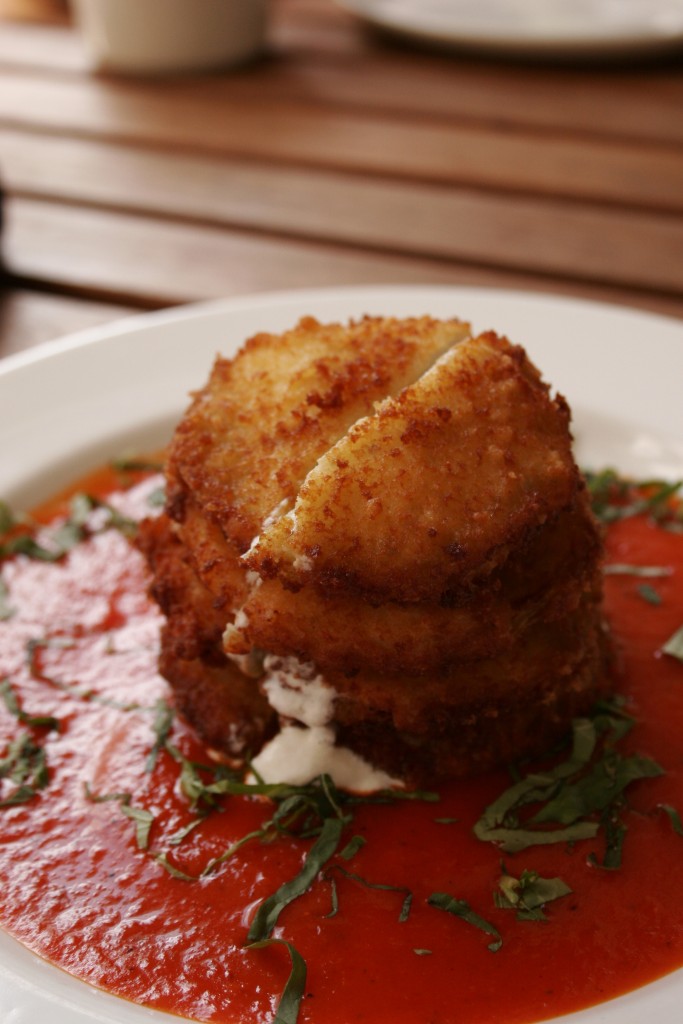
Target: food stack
x=379 y=529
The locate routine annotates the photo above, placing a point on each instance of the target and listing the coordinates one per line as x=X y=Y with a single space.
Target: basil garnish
x=673 y=816
x=163 y=722
x=25 y=764
x=407 y=894
x=270 y=909
x=74 y=529
x=649 y=594
x=292 y=994
x=462 y=909
x=354 y=844
x=6 y=609
x=143 y=819
x=572 y=793
x=12 y=705
x=615 y=497
x=528 y=894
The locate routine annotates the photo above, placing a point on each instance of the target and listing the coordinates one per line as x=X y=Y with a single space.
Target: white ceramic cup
x=167 y=36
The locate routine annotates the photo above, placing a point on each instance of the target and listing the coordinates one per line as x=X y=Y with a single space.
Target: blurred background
x=343 y=146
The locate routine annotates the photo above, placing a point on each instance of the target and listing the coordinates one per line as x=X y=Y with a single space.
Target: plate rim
x=624 y=44
x=112 y=1008
x=130 y=322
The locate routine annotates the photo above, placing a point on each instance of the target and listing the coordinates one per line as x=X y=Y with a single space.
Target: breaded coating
x=215 y=560
x=392 y=507
x=436 y=488
x=449 y=740
x=225 y=705
x=265 y=417
x=544 y=581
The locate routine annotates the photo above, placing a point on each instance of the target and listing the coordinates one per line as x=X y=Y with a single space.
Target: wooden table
x=341 y=157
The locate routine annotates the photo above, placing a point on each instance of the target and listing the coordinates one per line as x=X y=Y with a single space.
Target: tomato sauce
x=75 y=887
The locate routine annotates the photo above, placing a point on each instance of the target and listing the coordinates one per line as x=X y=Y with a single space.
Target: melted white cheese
x=296 y=690
x=305 y=746
x=297 y=755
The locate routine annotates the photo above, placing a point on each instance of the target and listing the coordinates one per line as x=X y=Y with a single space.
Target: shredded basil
x=615 y=834
x=673 y=816
x=352 y=847
x=407 y=893
x=462 y=909
x=24 y=544
x=6 y=609
x=270 y=909
x=143 y=823
x=72 y=531
x=162 y=725
x=143 y=818
x=12 y=704
x=649 y=594
x=571 y=793
x=8 y=520
x=292 y=994
x=615 y=497
x=24 y=764
x=182 y=833
x=528 y=894
x=597 y=790
x=163 y=860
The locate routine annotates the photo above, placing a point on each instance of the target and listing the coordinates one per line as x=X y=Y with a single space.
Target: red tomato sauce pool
x=78 y=644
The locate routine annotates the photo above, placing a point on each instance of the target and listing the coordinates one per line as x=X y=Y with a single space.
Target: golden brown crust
x=225 y=706
x=461 y=741
x=215 y=560
x=543 y=581
x=436 y=489
x=255 y=430
x=432 y=552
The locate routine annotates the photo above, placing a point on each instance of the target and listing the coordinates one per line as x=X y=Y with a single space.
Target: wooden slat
x=614 y=104
x=622 y=247
x=190 y=117
x=28 y=318
x=141 y=260
x=339 y=65
x=160 y=262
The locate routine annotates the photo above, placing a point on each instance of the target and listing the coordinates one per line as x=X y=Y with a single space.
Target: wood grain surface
x=338 y=157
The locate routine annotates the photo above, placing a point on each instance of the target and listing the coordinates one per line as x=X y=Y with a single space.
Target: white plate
x=532 y=27
x=70 y=404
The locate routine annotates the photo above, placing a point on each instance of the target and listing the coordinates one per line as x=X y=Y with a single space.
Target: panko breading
x=436 y=488
x=393 y=509
x=224 y=705
x=265 y=417
x=526 y=717
x=215 y=561
x=543 y=580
